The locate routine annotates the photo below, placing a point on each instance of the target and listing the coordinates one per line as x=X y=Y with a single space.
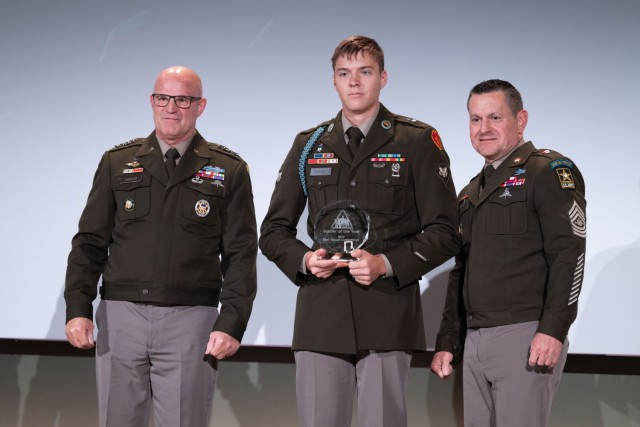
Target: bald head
x=175 y=124
x=181 y=75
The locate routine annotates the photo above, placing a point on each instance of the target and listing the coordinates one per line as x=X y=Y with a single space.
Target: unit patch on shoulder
x=578 y=220
x=566 y=179
x=435 y=137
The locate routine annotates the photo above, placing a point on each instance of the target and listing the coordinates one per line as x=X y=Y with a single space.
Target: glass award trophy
x=341 y=227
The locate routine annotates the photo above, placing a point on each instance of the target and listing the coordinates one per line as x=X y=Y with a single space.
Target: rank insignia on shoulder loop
x=202 y=208
x=566 y=179
x=435 y=137
x=386 y=124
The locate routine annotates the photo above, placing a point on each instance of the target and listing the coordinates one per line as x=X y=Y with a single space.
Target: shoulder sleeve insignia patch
x=566 y=179
x=435 y=137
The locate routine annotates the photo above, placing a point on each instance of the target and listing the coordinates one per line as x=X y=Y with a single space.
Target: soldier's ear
x=522 y=118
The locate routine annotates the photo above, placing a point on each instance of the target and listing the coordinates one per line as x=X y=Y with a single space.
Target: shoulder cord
x=305 y=155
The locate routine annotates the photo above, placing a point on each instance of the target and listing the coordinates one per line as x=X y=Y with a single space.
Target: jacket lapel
x=194 y=159
x=505 y=170
x=334 y=140
x=150 y=157
x=377 y=136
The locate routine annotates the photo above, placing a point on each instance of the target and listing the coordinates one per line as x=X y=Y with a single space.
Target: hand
x=221 y=345
x=79 y=331
x=319 y=266
x=545 y=350
x=367 y=268
x=441 y=364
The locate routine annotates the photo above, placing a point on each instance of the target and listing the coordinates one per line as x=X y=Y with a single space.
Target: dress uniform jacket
x=523 y=251
x=166 y=240
x=411 y=204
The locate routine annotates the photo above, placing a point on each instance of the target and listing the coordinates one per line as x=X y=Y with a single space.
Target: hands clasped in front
x=365 y=269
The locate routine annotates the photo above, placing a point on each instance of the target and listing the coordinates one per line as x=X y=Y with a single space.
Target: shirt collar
x=365 y=126
x=180 y=146
x=498 y=162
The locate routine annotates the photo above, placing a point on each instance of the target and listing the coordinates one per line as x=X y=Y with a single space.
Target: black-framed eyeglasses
x=161 y=100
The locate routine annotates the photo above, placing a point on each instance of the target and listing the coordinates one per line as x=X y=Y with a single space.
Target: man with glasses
x=154 y=225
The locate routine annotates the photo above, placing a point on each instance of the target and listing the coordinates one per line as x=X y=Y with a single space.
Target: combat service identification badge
x=202 y=208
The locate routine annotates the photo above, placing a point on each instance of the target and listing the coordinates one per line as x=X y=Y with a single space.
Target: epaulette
x=328 y=125
x=410 y=121
x=544 y=152
x=133 y=141
x=225 y=150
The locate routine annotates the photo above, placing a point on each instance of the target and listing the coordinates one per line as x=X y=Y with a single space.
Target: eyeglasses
x=181 y=101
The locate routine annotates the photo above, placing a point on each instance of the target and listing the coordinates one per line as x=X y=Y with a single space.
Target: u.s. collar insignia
x=386 y=124
x=202 y=208
x=330 y=128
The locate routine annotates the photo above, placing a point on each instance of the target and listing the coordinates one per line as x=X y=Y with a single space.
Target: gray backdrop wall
x=76 y=76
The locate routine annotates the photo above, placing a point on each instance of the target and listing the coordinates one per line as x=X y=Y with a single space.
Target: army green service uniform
x=400 y=176
x=170 y=245
x=520 y=272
